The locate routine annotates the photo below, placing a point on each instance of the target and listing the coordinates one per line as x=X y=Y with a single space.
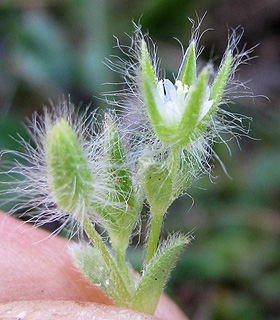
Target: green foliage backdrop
x=232 y=269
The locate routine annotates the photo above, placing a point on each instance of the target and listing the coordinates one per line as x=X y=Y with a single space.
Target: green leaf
x=92 y=265
x=189 y=73
x=193 y=108
x=156 y=273
x=158 y=188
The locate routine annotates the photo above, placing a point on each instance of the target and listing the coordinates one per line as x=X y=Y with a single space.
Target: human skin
x=38 y=280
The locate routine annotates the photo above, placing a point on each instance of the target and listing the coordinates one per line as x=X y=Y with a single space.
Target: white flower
x=172 y=100
x=176 y=110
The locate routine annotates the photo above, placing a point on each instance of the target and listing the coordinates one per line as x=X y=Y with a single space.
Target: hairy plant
x=86 y=173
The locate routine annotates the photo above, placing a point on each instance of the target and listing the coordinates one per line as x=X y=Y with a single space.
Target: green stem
x=154 y=234
x=119 y=242
x=175 y=156
x=121 y=263
x=100 y=246
x=157 y=217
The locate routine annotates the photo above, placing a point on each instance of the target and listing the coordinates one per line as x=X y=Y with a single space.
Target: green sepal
x=220 y=82
x=185 y=175
x=156 y=273
x=148 y=93
x=69 y=172
x=217 y=90
x=166 y=134
x=189 y=72
x=193 y=108
x=146 y=65
x=149 y=87
x=158 y=188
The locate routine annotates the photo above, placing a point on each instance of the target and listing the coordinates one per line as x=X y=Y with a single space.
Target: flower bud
x=158 y=188
x=69 y=172
x=119 y=204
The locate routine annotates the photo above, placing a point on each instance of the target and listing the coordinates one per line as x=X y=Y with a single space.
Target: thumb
x=37 y=266
x=67 y=310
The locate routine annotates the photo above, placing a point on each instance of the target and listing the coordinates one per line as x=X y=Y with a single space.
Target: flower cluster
x=89 y=174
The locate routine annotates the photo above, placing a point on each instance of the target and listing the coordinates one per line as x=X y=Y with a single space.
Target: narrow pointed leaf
x=92 y=265
x=156 y=273
x=189 y=67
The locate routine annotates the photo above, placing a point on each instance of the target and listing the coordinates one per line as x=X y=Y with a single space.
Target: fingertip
x=67 y=310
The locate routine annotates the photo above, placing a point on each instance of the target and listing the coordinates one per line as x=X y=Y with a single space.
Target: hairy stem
x=154 y=234
x=157 y=217
x=123 y=269
x=174 y=160
x=116 y=275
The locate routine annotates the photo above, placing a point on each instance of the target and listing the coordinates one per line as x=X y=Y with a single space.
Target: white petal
x=205 y=109
x=170 y=91
x=160 y=90
x=167 y=102
x=173 y=112
x=207 y=93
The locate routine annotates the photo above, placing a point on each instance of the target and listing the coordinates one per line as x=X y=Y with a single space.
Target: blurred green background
x=231 y=271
